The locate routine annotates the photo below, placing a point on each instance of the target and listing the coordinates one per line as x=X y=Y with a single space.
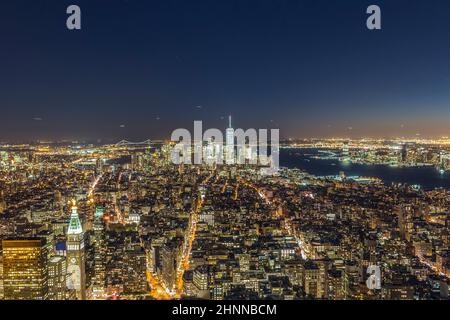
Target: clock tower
x=76 y=275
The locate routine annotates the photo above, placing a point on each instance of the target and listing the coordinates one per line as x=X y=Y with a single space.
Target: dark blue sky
x=310 y=68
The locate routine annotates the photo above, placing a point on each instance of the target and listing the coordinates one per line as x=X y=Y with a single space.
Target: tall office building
x=345 y=151
x=99 y=254
x=314 y=280
x=209 y=152
x=229 y=147
x=2 y=202
x=201 y=279
x=405 y=221
x=1 y=275
x=76 y=279
x=25 y=273
x=57 y=274
x=443 y=162
x=99 y=165
x=168 y=272
x=336 y=285
x=134 y=270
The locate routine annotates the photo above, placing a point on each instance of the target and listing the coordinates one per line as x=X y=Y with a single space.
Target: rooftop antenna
x=229 y=121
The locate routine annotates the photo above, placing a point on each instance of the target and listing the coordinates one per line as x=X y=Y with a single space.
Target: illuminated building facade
x=134 y=273
x=229 y=137
x=57 y=274
x=1 y=275
x=169 y=256
x=25 y=273
x=345 y=151
x=99 y=253
x=76 y=279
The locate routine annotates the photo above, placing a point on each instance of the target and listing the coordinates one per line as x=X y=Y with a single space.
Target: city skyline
x=140 y=70
x=125 y=222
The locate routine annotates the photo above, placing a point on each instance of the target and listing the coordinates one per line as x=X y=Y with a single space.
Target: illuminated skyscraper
x=209 y=152
x=134 y=270
x=229 y=147
x=201 y=279
x=99 y=254
x=314 y=280
x=405 y=221
x=99 y=165
x=57 y=274
x=1 y=275
x=76 y=279
x=169 y=253
x=345 y=152
x=443 y=162
x=25 y=274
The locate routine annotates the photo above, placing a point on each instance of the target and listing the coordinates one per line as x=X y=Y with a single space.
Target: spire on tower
x=229 y=121
x=74 y=223
x=74 y=206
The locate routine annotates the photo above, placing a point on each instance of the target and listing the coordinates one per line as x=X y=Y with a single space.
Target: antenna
x=229 y=121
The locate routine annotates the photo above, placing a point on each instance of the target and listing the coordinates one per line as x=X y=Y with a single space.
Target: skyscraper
x=169 y=253
x=76 y=279
x=2 y=202
x=99 y=254
x=57 y=273
x=1 y=275
x=201 y=279
x=25 y=274
x=229 y=147
x=345 y=151
x=405 y=221
x=134 y=270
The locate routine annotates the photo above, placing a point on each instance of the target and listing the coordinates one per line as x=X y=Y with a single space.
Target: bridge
x=125 y=143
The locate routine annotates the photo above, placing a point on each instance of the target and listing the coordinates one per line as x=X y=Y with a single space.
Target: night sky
x=139 y=69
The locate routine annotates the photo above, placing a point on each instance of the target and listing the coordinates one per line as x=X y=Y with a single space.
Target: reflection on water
x=427 y=177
